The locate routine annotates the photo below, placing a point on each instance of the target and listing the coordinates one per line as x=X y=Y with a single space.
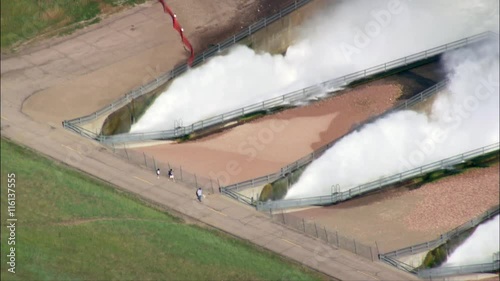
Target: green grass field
x=72 y=227
x=22 y=20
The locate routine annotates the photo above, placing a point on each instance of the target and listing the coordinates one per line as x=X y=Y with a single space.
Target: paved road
x=46 y=69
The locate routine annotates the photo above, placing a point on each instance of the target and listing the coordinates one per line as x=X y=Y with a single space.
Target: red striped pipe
x=179 y=29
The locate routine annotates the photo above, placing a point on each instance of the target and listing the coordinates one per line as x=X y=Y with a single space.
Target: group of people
x=170 y=174
x=199 y=191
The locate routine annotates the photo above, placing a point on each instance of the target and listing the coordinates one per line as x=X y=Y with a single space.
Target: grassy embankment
x=72 y=227
x=24 y=20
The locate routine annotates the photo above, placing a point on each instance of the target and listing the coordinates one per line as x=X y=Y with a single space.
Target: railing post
x=326 y=234
x=180 y=168
x=195 y=180
x=145 y=162
x=126 y=152
x=316 y=227
x=304 y=225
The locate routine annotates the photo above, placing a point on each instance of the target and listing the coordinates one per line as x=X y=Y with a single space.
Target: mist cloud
x=330 y=45
x=463 y=117
x=479 y=247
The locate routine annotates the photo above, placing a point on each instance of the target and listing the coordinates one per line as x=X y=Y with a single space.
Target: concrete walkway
x=49 y=138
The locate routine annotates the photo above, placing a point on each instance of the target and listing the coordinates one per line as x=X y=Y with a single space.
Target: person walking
x=171 y=175
x=158 y=173
x=199 y=193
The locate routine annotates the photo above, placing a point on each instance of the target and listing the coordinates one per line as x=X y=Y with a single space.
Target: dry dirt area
x=265 y=145
x=399 y=218
x=76 y=75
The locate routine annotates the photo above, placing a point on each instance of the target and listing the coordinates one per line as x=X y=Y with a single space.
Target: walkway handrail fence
x=378 y=184
x=331 y=237
x=190 y=180
x=391 y=257
x=459 y=270
x=239 y=197
x=295 y=96
x=398 y=264
x=422 y=96
x=180 y=69
x=443 y=238
x=290 y=98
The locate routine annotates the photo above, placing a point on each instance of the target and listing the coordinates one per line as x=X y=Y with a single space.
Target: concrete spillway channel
x=294 y=99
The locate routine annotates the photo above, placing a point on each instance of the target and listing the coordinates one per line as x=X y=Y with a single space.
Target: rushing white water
x=463 y=118
x=479 y=247
x=346 y=37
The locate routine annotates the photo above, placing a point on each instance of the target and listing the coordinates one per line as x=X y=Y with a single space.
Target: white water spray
x=346 y=37
x=463 y=118
x=479 y=247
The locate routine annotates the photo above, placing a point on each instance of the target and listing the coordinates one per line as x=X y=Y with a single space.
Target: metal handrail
x=414 y=249
x=422 y=96
x=459 y=270
x=180 y=69
x=293 y=97
x=378 y=184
